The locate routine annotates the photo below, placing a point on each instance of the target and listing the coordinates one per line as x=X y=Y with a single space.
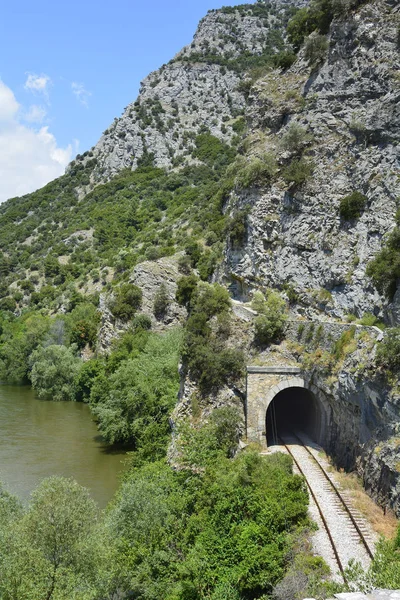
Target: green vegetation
x=161 y=302
x=352 y=206
x=271 y=319
x=128 y=299
x=384 y=269
x=295 y=138
x=257 y=171
x=388 y=353
x=298 y=172
x=54 y=369
x=218 y=532
x=316 y=48
x=133 y=398
x=237 y=227
x=210 y=362
x=317 y=16
x=112 y=227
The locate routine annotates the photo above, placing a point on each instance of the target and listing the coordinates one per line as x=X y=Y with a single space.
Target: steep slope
x=332 y=124
x=77 y=233
x=199 y=88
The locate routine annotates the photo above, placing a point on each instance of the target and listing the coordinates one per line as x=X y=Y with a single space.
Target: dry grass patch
x=383 y=524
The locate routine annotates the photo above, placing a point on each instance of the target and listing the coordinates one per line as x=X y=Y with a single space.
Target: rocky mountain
x=335 y=116
x=263 y=156
x=199 y=88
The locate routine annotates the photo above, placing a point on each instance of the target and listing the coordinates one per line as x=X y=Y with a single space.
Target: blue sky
x=68 y=69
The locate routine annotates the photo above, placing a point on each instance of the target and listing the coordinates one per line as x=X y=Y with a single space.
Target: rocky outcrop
x=379 y=467
x=198 y=89
x=349 y=111
x=149 y=276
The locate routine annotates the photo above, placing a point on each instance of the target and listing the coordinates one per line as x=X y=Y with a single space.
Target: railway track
x=343 y=534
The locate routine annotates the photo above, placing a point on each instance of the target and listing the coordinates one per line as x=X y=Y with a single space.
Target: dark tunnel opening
x=293 y=410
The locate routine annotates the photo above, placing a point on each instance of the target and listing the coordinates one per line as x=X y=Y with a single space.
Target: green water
x=39 y=438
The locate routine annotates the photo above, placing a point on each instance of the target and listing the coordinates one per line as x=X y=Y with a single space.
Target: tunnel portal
x=293 y=409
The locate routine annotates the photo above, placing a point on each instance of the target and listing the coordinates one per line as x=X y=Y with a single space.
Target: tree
x=134 y=407
x=161 y=302
x=128 y=298
x=54 y=370
x=52 y=550
x=270 y=322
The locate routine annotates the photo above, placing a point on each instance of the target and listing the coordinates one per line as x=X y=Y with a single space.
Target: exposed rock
x=350 y=107
x=149 y=276
x=193 y=91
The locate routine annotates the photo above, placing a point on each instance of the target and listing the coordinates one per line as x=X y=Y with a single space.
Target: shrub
x=127 y=300
x=54 y=370
x=193 y=250
x=352 y=206
x=295 y=138
x=257 y=171
x=346 y=344
x=270 y=322
x=315 y=49
x=388 y=353
x=184 y=264
x=284 y=60
x=298 y=172
x=212 y=365
x=237 y=227
x=300 y=26
x=212 y=300
x=185 y=290
x=141 y=322
x=161 y=302
x=384 y=269
x=206 y=265
x=8 y=303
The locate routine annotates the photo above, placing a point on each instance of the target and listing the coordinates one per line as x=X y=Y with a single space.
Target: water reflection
x=40 y=438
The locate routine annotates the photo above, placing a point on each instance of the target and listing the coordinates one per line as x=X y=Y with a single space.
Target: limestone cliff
x=197 y=89
x=346 y=105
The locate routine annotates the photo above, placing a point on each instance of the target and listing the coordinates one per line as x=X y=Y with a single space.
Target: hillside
x=243 y=210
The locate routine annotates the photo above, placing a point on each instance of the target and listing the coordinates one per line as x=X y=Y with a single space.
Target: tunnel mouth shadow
x=293 y=410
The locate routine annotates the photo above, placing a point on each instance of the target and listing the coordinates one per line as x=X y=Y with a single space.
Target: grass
x=381 y=523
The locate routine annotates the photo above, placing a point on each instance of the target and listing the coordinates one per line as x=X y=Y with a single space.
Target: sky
x=68 y=68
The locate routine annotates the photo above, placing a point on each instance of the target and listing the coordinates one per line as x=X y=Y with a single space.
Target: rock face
x=197 y=89
x=149 y=276
x=349 y=110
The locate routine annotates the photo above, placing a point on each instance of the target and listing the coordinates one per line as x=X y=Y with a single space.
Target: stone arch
x=264 y=384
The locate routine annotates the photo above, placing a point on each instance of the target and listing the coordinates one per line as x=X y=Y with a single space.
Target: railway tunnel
x=282 y=399
x=291 y=410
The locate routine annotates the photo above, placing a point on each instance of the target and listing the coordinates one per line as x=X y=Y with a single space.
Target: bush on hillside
x=127 y=299
x=161 y=302
x=185 y=290
x=271 y=319
x=388 y=353
x=352 y=206
x=295 y=138
x=384 y=269
x=258 y=171
x=315 y=49
x=298 y=172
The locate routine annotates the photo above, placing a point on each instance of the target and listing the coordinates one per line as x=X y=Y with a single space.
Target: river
x=39 y=438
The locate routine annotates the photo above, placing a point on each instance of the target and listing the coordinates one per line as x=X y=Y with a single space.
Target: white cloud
x=83 y=95
x=38 y=84
x=8 y=104
x=29 y=158
x=35 y=114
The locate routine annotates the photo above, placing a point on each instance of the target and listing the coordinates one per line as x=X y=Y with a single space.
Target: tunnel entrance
x=293 y=409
